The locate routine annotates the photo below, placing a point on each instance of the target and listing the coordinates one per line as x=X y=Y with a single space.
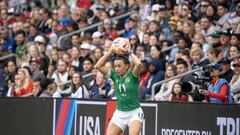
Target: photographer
x=219 y=89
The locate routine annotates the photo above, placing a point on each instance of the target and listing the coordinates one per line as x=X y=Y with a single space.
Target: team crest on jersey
x=127 y=80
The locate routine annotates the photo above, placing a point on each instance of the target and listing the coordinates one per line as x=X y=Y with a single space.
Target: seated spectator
x=198 y=58
x=166 y=88
x=49 y=88
x=78 y=89
x=178 y=95
x=24 y=84
x=234 y=51
x=157 y=74
x=227 y=72
x=37 y=90
x=235 y=82
x=211 y=55
x=182 y=67
x=101 y=87
x=87 y=75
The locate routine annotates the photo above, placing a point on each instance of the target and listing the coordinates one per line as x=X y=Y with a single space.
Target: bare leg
x=113 y=129
x=135 y=127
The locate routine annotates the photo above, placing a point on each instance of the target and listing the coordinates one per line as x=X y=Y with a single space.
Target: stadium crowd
x=200 y=32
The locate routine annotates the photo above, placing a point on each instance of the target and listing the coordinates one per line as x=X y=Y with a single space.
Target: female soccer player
x=126 y=83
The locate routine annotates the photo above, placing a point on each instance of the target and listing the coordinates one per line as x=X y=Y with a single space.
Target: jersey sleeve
x=135 y=77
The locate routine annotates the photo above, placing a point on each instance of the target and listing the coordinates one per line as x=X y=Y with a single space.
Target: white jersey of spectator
x=82 y=92
x=56 y=94
x=60 y=78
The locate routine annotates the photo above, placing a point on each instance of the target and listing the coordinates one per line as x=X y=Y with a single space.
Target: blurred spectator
x=207 y=27
x=37 y=90
x=134 y=41
x=108 y=29
x=182 y=67
x=227 y=72
x=21 y=43
x=101 y=87
x=211 y=55
x=88 y=79
x=75 y=40
x=225 y=37
x=155 y=52
x=222 y=12
x=61 y=74
x=8 y=43
x=78 y=89
x=178 y=95
x=85 y=53
x=98 y=53
x=198 y=58
x=97 y=39
x=233 y=52
x=49 y=88
x=156 y=75
x=144 y=9
x=219 y=89
x=35 y=64
x=41 y=44
x=75 y=54
x=24 y=84
x=235 y=39
x=166 y=88
x=235 y=82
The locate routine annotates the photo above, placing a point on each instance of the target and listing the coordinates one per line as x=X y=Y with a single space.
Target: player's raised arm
x=137 y=65
x=101 y=62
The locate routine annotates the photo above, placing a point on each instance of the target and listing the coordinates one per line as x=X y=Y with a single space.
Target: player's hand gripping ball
x=121 y=46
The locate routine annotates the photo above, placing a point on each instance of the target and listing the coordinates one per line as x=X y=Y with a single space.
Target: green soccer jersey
x=126 y=89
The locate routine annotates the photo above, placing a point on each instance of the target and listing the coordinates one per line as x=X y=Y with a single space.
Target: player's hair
x=123 y=58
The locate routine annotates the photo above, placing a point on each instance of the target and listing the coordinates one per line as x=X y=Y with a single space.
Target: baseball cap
x=162 y=8
x=226 y=32
x=96 y=34
x=39 y=39
x=85 y=46
x=217 y=66
x=36 y=61
x=155 y=7
x=215 y=34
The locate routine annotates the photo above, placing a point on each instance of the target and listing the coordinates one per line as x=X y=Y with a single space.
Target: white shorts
x=124 y=119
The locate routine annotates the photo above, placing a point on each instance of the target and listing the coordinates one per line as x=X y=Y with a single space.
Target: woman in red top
x=24 y=84
x=109 y=30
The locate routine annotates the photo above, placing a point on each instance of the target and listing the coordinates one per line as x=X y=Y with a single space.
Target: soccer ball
x=121 y=46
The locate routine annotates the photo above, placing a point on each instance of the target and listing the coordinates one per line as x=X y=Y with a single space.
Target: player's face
x=120 y=67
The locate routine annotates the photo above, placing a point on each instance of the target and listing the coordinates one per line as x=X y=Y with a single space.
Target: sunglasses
x=204 y=5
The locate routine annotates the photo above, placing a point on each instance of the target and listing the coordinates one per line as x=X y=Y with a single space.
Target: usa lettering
x=228 y=125
x=89 y=125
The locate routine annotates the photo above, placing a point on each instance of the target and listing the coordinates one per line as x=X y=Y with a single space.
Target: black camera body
x=196 y=87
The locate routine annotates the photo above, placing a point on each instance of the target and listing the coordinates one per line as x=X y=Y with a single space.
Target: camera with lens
x=196 y=87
